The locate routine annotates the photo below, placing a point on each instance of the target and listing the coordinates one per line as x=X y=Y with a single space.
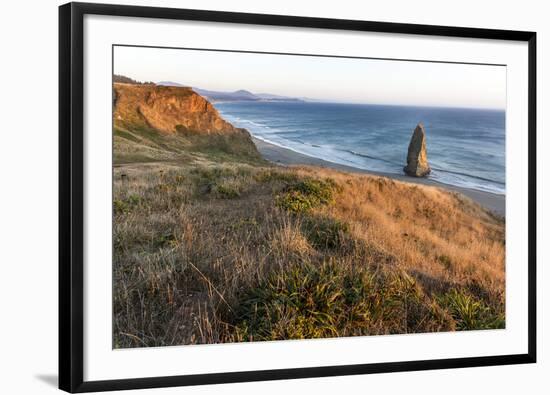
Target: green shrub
x=470 y=313
x=301 y=302
x=295 y=202
x=225 y=191
x=165 y=239
x=210 y=174
x=120 y=206
x=124 y=206
x=222 y=182
x=325 y=232
x=306 y=301
x=305 y=195
x=133 y=200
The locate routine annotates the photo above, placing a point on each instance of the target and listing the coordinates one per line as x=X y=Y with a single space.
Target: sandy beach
x=283 y=156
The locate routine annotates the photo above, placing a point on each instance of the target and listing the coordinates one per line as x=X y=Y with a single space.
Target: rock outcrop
x=417 y=157
x=157 y=123
x=167 y=109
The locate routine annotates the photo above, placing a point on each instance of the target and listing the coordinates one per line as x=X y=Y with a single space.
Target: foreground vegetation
x=213 y=244
x=212 y=249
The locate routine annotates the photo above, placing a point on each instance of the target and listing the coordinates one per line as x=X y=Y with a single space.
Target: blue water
x=465 y=146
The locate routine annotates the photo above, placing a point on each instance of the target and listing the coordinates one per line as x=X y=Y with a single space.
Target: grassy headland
x=214 y=244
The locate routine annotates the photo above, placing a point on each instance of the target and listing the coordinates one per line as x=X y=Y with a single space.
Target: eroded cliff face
x=167 y=109
x=160 y=123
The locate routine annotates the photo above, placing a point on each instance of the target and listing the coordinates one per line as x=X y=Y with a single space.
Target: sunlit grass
x=220 y=251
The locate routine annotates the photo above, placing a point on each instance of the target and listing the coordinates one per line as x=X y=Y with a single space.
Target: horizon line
x=310 y=100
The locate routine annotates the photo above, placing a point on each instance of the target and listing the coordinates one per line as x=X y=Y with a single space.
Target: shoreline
x=284 y=156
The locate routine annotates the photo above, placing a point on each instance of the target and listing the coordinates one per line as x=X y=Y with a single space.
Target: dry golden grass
x=212 y=251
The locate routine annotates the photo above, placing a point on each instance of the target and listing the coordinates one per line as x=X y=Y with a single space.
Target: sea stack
x=417 y=157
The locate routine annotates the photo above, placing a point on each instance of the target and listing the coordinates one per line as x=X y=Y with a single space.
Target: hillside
x=154 y=122
x=213 y=244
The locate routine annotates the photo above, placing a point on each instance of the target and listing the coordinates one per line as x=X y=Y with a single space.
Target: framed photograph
x=250 y=197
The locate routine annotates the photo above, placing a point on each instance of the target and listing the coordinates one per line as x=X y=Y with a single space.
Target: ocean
x=466 y=147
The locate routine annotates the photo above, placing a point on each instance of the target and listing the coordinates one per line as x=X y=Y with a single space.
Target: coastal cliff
x=167 y=109
x=156 y=123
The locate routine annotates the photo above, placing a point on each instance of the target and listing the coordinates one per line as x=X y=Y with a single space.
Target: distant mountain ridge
x=171 y=83
x=239 y=95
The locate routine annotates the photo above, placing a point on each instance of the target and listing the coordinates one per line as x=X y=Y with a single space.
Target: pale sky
x=333 y=79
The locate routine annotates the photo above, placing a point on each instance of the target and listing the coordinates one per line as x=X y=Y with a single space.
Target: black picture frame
x=71 y=205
